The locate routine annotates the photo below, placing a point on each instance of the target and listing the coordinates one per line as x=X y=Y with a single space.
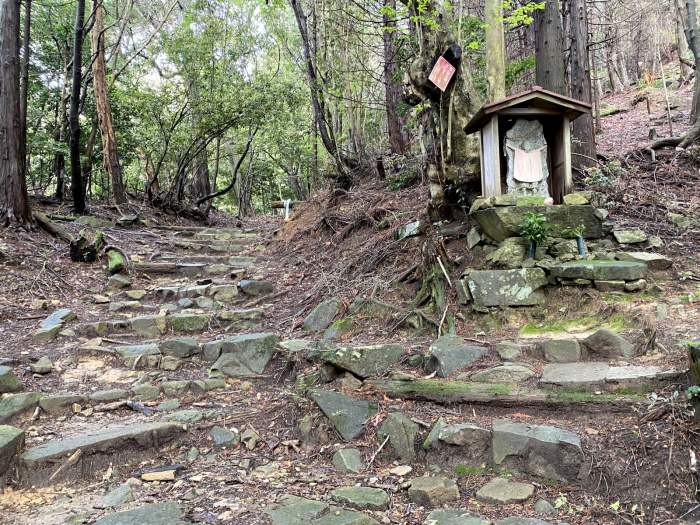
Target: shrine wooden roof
x=534 y=102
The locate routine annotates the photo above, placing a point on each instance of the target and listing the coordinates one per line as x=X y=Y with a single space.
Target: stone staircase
x=163 y=385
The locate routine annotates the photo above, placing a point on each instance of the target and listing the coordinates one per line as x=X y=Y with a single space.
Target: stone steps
x=118 y=445
x=240 y=261
x=153 y=326
x=594 y=376
x=208 y=246
x=186 y=269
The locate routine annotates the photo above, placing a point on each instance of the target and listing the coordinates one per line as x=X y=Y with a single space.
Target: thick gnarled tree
x=14 y=204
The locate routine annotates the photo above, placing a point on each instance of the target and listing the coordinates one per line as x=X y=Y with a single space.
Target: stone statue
x=526 y=149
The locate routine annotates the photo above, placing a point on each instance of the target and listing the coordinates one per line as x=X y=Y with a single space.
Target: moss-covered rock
x=502 y=222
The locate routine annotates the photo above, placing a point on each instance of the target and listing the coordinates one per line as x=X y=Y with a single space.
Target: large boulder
x=322 y=315
x=502 y=222
x=458 y=444
x=433 y=491
x=346 y=414
x=364 y=361
x=243 y=355
x=606 y=343
x=401 y=432
x=8 y=381
x=561 y=350
x=544 y=451
x=507 y=287
x=450 y=353
x=11 y=444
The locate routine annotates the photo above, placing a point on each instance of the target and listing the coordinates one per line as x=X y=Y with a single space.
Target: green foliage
x=517 y=67
x=534 y=227
x=604 y=175
x=574 y=231
x=463 y=471
x=403 y=179
x=520 y=15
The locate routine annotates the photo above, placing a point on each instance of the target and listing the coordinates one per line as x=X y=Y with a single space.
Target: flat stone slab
x=501 y=491
x=600 y=270
x=514 y=520
x=346 y=414
x=599 y=375
x=168 y=513
x=293 y=510
x=361 y=498
x=655 y=261
x=14 y=405
x=40 y=457
x=505 y=373
x=540 y=450
x=454 y=517
x=507 y=287
x=366 y=360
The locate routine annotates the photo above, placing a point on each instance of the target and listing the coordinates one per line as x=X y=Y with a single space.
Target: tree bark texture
x=110 y=154
x=392 y=86
x=583 y=138
x=495 y=50
x=693 y=37
x=14 y=203
x=549 y=48
x=24 y=82
x=74 y=115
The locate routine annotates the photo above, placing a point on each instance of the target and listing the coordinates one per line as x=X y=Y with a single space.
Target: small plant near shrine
x=577 y=233
x=534 y=228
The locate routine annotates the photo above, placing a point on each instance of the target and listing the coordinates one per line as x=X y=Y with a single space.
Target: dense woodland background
x=238 y=104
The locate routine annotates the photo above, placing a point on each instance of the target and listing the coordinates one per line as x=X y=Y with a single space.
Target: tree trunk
x=74 y=115
x=693 y=37
x=24 y=83
x=344 y=165
x=683 y=49
x=104 y=112
x=451 y=157
x=59 y=159
x=201 y=185
x=495 y=50
x=14 y=203
x=392 y=86
x=89 y=152
x=549 y=48
x=583 y=140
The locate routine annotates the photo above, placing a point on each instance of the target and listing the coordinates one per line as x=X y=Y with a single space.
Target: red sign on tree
x=442 y=73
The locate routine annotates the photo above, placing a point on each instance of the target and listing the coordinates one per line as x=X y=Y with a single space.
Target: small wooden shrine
x=526 y=144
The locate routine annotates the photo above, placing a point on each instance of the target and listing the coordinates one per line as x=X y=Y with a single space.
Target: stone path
x=153 y=416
